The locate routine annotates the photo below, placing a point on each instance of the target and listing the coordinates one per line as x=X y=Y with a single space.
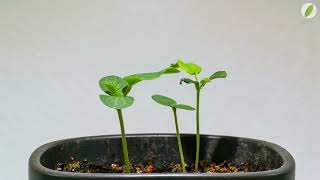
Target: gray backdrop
x=52 y=54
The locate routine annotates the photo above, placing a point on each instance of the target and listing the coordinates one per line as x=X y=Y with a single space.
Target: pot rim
x=35 y=164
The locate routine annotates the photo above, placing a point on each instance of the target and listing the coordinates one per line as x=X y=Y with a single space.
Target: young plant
x=166 y=101
x=193 y=70
x=117 y=90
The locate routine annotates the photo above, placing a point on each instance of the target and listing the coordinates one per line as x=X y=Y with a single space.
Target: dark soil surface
x=84 y=166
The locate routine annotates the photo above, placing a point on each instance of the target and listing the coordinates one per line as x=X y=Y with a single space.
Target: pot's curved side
x=43 y=159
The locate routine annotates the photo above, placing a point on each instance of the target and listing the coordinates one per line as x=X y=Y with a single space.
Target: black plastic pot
x=162 y=149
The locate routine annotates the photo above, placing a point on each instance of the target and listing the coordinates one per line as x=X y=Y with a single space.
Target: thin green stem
x=196 y=77
x=179 y=140
x=124 y=143
x=198 y=132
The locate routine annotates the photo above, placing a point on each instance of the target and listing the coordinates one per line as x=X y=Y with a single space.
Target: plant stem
x=124 y=143
x=198 y=132
x=196 y=78
x=179 y=140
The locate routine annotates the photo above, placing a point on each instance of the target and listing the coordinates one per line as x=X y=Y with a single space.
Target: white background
x=52 y=54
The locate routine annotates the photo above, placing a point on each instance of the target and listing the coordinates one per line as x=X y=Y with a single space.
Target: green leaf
x=163 y=100
x=113 y=85
x=131 y=80
x=144 y=76
x=187 y=81
x=170 y=70
x=218 y=74
x=183 y=106
x=174 y=65
x=188 y=67
x=126 y=90
x=136 y=78
x=204 y=81
x=308 y=10
x=117 y=102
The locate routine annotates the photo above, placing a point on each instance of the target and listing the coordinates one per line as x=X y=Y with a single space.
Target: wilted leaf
x=164 y=100
x=117 y=102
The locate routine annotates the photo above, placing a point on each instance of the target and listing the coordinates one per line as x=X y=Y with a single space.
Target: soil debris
x=204 y=167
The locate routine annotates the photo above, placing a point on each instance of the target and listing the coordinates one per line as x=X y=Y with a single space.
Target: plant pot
x=162 y=149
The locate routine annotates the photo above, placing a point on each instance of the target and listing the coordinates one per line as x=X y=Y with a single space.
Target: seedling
x=194 y=70
x=117 y=90
x=166 y=101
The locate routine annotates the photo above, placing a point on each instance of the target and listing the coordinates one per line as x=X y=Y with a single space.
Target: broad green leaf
x=183 y=106
x=187 y=80
x=308 y=10
x=117 y=102
x=218 y=74
x=113 y=85
x=189 y=67
x=164 y=100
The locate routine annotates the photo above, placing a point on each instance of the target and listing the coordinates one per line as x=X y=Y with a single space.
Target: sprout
x=117 y=89
x=166 y=101
x=194 y=70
